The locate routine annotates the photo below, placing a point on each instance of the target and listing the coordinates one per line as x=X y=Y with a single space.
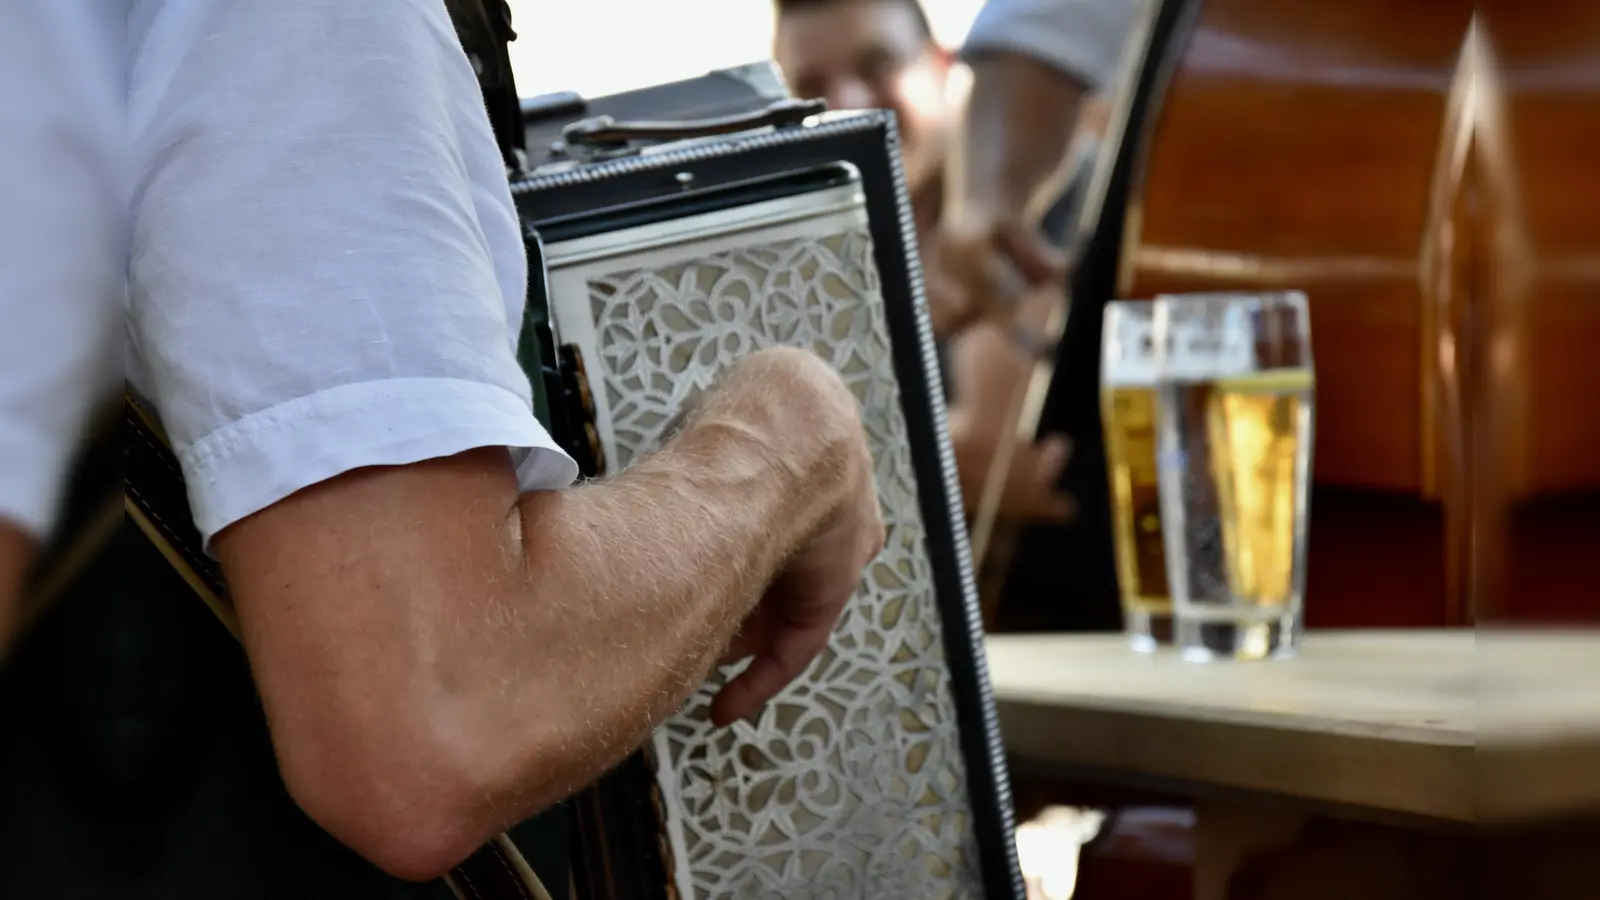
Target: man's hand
x=1030 y=493
x=988 y=371
x=981 y=264
x=792 y=621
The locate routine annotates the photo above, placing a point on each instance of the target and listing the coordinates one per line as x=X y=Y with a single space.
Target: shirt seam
x=280 y=416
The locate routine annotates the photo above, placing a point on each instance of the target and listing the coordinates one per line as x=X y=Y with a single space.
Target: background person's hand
x=791 y=623
x=979 y=265
x=1029 y=493
x=988 y=372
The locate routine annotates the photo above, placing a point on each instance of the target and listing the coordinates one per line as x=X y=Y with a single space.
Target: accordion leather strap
x=155 y=499
x=603 y=130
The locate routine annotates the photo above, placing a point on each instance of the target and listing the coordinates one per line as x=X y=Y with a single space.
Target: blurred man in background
x=1036 y=68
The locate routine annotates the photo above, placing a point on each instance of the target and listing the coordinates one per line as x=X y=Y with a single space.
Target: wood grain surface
x=1440 y=724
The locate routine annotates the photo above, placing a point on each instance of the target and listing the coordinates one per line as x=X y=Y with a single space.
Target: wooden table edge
x=1430 y=780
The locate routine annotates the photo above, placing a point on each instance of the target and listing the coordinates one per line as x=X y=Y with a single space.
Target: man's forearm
x=668 y=560
x=1018 y=122
x=448 y=657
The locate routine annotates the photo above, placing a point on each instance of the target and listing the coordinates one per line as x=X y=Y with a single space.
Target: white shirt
x=1084 y=39
x=61 y=242
x=324 y=267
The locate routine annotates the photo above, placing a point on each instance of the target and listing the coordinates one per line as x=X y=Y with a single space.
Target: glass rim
x=1215 y=308
x=1295 y=300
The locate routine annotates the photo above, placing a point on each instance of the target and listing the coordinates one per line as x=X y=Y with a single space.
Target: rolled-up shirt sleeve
x=326 y=271
x=1084 y=39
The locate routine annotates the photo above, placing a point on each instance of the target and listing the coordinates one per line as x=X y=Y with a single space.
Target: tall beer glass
x=1128 y=418
x=1236 y=391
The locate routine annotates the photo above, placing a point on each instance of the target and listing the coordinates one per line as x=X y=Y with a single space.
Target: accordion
x=661 y=251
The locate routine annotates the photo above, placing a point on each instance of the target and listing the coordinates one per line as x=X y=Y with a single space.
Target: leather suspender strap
x=484 y=28
x=156 y=501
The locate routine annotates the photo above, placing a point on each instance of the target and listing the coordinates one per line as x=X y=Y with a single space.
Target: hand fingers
x=948 y=303
x=1053 y=453
x=1034 y=257
x=1050 y=460
x=789 y=654
x=1058 y=507
x=975 y=267
x=1032 y=487
x=1005 y=285
x=751 y=637
x=1037 y=468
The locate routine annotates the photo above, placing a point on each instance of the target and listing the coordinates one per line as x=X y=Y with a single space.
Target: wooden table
x=1427 y=730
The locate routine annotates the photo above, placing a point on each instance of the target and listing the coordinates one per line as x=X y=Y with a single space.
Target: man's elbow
x=414 y=803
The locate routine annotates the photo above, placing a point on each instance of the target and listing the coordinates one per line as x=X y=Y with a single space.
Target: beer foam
x=1129 y=358
x=1199 y=350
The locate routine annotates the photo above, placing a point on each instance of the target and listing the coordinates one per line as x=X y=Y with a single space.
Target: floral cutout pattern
x=850 y=785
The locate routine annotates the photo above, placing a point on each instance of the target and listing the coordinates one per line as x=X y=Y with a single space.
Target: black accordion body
x=660 y=252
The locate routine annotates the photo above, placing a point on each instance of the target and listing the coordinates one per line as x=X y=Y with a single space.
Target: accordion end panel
x=852 y=783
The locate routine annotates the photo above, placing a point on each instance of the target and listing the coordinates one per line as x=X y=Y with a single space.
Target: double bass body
x=1416 y=169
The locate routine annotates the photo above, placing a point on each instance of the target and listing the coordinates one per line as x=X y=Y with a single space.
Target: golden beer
x=1128 y=414
x=1128 y=407
x=1257 y=433
x=1235 y=409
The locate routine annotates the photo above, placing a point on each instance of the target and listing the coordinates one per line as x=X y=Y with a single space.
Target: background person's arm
x=1032 y=62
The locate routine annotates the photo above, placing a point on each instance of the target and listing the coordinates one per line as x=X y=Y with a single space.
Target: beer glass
x=1235 y=388
x=1128 y=418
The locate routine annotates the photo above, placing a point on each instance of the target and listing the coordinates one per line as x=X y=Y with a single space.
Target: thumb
x=788 y=654
x=949 y=306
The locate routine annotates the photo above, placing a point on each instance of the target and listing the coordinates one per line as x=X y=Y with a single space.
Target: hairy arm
x=1032 y=61
x=1006 y=158
x=440 y=657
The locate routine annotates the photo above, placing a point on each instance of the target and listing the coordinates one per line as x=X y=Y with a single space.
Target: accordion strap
x=484 y=28
x=156 y=501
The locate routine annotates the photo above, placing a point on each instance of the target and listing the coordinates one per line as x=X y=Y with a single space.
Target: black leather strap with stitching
x=154 y=486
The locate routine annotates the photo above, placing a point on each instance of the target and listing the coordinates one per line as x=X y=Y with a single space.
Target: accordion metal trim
x=555 y=203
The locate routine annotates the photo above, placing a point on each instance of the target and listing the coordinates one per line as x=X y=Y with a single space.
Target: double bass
x=1425 y=173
